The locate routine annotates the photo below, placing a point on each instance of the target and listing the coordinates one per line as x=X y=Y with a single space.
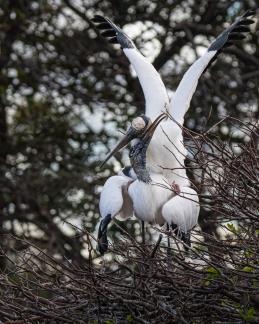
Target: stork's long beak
x=151 y=129
x=130 y=135
x=122 y=143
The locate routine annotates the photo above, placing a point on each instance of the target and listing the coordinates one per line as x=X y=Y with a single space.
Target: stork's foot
x=174 y=228
x=185 y=237
x=176 y=188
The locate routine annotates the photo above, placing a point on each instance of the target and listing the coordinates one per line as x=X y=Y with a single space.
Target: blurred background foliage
x=65 y=92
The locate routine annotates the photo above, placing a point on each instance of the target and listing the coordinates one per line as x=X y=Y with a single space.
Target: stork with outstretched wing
x=157 y=101
x=156 y=97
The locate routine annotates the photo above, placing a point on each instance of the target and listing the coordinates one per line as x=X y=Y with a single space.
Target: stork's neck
x=138 y=160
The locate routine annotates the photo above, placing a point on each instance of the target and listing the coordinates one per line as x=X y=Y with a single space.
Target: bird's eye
x=138 y=123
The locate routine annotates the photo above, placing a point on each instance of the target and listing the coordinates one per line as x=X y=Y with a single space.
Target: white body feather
x=182 y=210
x=165 y=155
x=166 y=152
x=149 y=198
x=155 y=93
x=180 y=102
x=151 y=202
x=114 y=199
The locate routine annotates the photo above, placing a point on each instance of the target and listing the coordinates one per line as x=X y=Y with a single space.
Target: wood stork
x=174 y=210
x=151 y=202
x=156 y=98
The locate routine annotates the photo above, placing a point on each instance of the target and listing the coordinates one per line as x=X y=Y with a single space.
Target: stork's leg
x=168 y=240
x=143 y=232
x=186 y=238
x=174 y=229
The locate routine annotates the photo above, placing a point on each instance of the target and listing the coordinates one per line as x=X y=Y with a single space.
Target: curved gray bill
x=151 y=129
x=122 y=143
x=129 y=137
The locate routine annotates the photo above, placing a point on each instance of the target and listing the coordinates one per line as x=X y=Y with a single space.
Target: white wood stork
x=157 y=100
x=144 y=195
x=147 y=203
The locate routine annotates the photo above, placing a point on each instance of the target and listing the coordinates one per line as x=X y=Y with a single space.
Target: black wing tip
x=97 y=19
x=108 y=33
x=112 y=32
x=107 y=28
x=113 y=40
x=234 y=32
x=249 y=13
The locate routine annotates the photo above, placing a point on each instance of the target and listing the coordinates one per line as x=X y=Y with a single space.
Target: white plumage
x=154 y=90
x=166 y=153
x=156 y=97
x=181 y=99
x=151 y=203
x=182 y=210
x=114 y=198
x=149 y=198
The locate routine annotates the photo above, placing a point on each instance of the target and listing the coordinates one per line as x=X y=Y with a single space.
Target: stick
x=156 y=246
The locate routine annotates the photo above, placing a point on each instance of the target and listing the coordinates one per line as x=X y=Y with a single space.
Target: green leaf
x=130 y=318
x=249 y=314
x=212 y=274
x=248 y=269
x=249 y=253
x=212 y=270
x=232 y=228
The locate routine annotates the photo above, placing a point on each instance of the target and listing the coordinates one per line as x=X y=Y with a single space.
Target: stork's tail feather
x=103 y=244
x=234 y=32
x=114 y=33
